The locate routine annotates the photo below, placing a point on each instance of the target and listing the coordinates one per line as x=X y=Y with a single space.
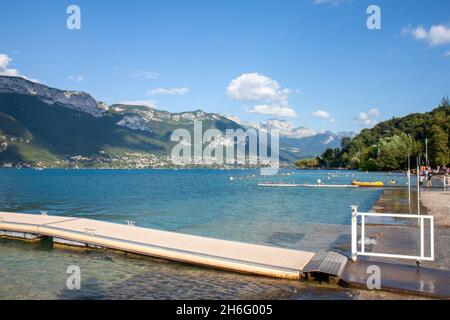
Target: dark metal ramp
x=326 y=263
x=400 y=278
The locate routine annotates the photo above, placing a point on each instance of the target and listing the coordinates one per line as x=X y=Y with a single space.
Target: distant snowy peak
x=285 y=128
x=231 y=117
x=329 y=139
x=75 y=100
x=288 y=130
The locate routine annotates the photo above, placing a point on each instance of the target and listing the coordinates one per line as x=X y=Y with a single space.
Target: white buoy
x=319 y=181
x=231 y=178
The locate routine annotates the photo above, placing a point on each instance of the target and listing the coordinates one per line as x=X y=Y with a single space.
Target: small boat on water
x=368 y=184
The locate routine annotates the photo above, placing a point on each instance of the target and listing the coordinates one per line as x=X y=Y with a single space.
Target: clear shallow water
x=201 y=202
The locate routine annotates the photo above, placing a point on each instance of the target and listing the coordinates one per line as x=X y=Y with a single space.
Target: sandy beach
x=437 y=204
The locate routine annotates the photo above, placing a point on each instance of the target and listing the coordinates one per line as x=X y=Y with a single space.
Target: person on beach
x=429 y=176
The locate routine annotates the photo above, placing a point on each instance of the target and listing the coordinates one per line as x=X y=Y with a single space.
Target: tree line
x=388 y=145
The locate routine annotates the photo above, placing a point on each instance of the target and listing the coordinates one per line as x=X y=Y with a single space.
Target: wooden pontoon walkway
x=221 y=254
x=305 y=185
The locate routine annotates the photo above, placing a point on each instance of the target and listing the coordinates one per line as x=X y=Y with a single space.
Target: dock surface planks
x=221 y=254
x=304 y=185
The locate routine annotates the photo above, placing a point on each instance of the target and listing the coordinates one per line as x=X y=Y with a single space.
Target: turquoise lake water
x=226 y=204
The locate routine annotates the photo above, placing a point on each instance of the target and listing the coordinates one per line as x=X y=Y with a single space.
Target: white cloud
x=435 y=36
x=267 y=93
x=368 y=118
x=5 y=60
x=362 y=116
x=168 y=91
x=76 y=78
x=255 y=87
x=273 y=110
x=284 y=127
x=146 y=103
x=4 y=69
x=324 y=115
x=145 y=74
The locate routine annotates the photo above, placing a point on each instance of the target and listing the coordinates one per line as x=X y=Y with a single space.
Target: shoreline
x=404 y=238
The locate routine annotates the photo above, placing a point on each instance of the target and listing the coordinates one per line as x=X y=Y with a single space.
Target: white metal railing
x=362 y=251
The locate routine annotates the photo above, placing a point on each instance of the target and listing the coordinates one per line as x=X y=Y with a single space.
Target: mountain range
x=43 y=124
x=299 y=142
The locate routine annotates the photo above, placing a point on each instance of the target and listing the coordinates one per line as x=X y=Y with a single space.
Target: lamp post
x=409 y=183
x=418 y=185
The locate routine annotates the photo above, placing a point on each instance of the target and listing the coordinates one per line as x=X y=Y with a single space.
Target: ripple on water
x=200 y=202
x=39 y=272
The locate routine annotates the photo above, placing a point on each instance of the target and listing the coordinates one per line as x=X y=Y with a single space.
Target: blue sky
x=311 y=62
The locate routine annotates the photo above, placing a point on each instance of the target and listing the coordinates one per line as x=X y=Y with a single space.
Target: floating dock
x=304 y=185
x=240 y=257
x=220 y=254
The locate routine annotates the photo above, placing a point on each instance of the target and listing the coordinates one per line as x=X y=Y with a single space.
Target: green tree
x=388 y=145
x=439 y=150
x=445 y=102
x=393 y=152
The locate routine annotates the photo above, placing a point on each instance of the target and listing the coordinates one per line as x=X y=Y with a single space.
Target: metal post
x=432 y=237
x=418 y=186
x=363 y=233
x=354 y=232
x=422 y=238
x=409 y=183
